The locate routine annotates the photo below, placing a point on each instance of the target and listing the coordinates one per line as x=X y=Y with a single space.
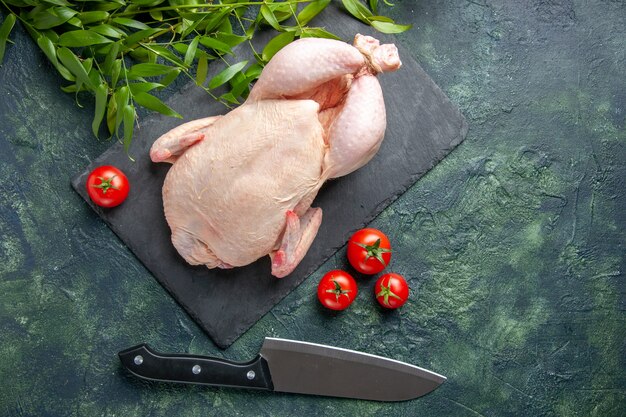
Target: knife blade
x=293 y=367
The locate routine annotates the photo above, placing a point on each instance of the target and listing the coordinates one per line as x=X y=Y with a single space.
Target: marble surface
x=513 y=245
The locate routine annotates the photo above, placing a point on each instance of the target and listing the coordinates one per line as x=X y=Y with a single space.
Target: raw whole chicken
x=241 y=185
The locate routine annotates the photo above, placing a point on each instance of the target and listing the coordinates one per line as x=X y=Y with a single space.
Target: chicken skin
x=242 y=185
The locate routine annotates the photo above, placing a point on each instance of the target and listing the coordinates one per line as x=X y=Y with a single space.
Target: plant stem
x=184 y=71
x=243 y=28
x=209 y=6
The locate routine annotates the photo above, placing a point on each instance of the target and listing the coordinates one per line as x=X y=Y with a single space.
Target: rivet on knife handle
x=146 y=363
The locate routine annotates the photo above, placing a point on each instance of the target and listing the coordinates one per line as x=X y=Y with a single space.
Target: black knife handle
x=146 y=363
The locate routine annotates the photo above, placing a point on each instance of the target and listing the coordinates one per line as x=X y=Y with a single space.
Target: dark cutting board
x=423 y=127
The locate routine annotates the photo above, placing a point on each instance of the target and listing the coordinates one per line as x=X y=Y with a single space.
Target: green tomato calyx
x=374 y=251
x=338 y=291
x=385 y=292
x=106 y=184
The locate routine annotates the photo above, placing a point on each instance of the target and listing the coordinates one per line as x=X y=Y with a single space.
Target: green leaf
x=182 y=49
x=187 y=29
x=318 y=33
x=74 y=21
x=88 y=64
x=45 y=44
x=202 y=71
x=270 y=18
x=311 y=10
x=358 y=10
x=215 y=20
x=49 y=18
x=374 y=5
x=190 y=54
x=214 y=44
x=121 y=97
x=73 y=64
x=230 y=39
x=57 y=2
x=165 y=53
x=111 y=56
x=92 y=16
x=108 y=30
x=78 y=38
x=102 y=50
x=147 y=3
x=19 y=3
x=251 y=30
x=132 y=40
x=276 y=44
x=253 y=71
x=116 y=69
x=131 y=23
x=48 y=33
x=229 y=97
x=151 y=102
x=240 y=12
x=169 y=78
x=103 y=6
x=73 y=88
x=156 y=15
x=5 y=30
x=129 y=125
x=387 y=27
x=381 y=19
x=143 y=87
x=111 y=115
x=143 y=55
x=149 y=70
x=282 y=10
x=102 y=93
x=239 y=85
x=225 y=26
x=96 y=76
x=225 y=75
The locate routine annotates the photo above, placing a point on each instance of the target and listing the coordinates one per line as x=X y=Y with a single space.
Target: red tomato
x=369 y=251
x=391 y=290
x=107 y=186
x=337 y=290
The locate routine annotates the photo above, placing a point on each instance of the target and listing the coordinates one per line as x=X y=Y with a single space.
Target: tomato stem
x=385 y=292
x=338 y=291
x=374 y=251
x=106 y=184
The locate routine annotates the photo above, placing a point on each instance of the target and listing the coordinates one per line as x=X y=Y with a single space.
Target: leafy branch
x=122 y=51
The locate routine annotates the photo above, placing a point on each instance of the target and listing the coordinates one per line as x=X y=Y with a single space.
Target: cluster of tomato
x=369 y=252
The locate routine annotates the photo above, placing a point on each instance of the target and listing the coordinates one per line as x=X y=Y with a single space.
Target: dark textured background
x=513 y=245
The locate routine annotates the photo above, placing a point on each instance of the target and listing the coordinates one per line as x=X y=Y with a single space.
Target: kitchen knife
x=291 y=366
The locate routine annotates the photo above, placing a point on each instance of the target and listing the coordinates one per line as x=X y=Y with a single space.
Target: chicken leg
x=354 y=119
x=297 y=238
